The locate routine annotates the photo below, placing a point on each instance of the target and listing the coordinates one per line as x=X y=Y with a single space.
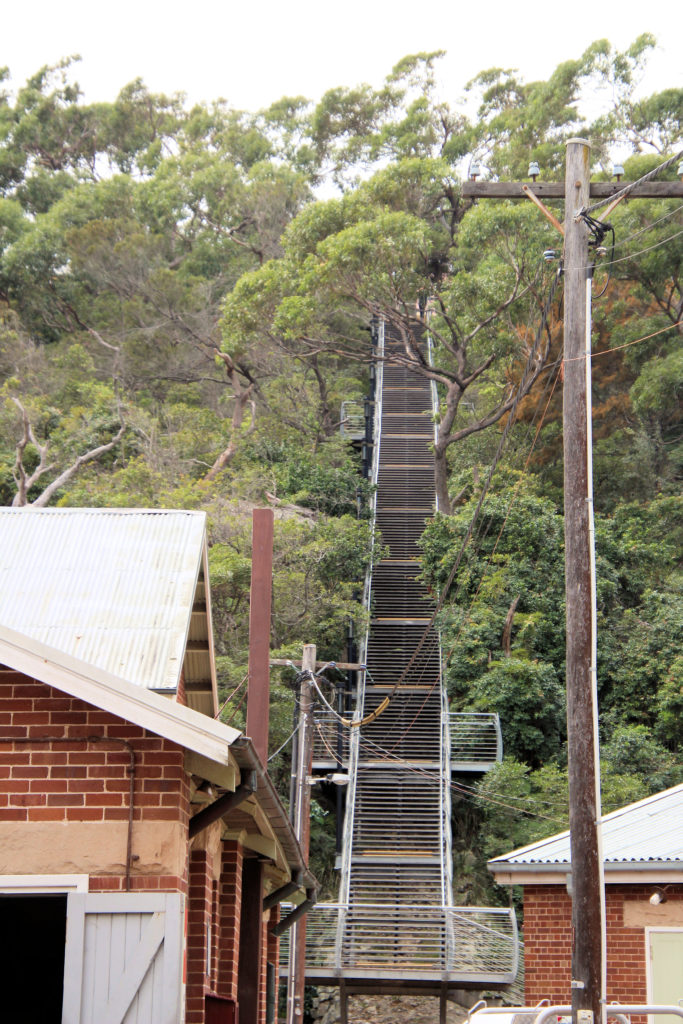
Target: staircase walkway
x=395 y=927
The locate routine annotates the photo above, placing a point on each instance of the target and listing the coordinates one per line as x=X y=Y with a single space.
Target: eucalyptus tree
x=398 y=246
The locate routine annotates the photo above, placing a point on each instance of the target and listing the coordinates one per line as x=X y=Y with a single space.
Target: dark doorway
x=251 y=919
x=33 y=928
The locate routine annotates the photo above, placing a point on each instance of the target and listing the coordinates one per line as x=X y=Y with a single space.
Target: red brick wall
x=218 y=902
x=230 y=902
x=82 y=779
x=547 y=943
x=63 y=774
x=200 y=915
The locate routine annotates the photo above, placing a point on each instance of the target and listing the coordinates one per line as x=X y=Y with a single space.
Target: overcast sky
x=254 y=52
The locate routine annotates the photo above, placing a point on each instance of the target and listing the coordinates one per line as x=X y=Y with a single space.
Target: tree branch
x=91 y=456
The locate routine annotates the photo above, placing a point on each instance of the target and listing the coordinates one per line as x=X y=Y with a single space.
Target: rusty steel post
x=258 y=699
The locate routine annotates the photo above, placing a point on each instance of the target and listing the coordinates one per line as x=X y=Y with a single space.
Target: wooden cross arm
x=555 y=189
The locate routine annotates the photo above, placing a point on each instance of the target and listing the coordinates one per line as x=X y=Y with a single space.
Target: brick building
x=643 y=855
x=143 y=848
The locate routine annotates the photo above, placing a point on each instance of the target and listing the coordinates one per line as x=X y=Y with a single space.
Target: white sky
x=252 y=53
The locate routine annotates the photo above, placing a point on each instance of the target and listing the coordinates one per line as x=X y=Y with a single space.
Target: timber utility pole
x=587 y=874
x=588 y=888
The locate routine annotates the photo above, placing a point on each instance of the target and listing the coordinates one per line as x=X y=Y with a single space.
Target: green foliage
x=530 y=700
x=517 y=558
x=631 y=750
x=520 y=806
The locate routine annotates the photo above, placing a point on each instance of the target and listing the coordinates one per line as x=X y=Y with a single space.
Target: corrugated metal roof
x=648 y=831
x=112 y=587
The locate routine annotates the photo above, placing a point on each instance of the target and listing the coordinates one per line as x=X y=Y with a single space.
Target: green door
x=666 y=970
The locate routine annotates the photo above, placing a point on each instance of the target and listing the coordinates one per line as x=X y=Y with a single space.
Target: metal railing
x=446 y=830
x=478 y=944
x=352 y=424
x=476 y=740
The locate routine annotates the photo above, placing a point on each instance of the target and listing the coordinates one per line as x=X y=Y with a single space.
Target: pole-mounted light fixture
x=336 y=778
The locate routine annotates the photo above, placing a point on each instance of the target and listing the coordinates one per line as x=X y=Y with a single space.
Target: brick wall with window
x=548 y=939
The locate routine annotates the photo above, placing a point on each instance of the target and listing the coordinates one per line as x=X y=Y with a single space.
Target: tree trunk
x=506 y=642
x=443 y=501
x=453 y=396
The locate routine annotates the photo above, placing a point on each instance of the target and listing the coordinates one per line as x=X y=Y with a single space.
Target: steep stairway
x=394 y=927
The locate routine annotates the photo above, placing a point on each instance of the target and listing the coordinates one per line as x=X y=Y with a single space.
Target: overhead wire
x=640 y=252
x=229 y=698
x=521 y=390
x=371 y=745
x=627 y=189
x=414 y=660
x=367 y=719
x=507 y=514
x=289 y=738
x=477 y=534
x=554 y=383
x=648 y=227
x=627 y=344
x=435 y=779
x=434 y=685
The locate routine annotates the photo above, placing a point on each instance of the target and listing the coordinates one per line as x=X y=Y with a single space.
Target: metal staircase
x=395 y=925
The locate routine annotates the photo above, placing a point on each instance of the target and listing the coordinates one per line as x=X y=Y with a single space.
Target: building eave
x=636 y=873
x=211 y=743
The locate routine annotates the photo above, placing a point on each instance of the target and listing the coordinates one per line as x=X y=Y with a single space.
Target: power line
x=366 y=720
x=283 y=745
x=648 y=227
x=435 y=780
x=630 y=187
x=521 y=390
x=640 y=252
x=456 y=787
x=627 y=344
x=228 y=699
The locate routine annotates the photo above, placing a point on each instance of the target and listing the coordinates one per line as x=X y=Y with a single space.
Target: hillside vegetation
x=182 y=314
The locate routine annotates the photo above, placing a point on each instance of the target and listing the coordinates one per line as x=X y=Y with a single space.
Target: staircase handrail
x=354 y=744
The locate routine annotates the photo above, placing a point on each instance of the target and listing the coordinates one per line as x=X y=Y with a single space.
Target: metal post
x=301 y=818
x=443 y=1004
x=584 y=805
x=258 y=698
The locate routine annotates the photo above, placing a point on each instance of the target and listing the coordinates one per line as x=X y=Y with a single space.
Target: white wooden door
x=666 y=970
x=123 y=959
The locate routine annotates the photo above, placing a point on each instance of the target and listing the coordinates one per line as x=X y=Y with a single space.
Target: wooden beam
x=223 y=805
x=221 y=774
x=346 y=666
x=555 y=189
